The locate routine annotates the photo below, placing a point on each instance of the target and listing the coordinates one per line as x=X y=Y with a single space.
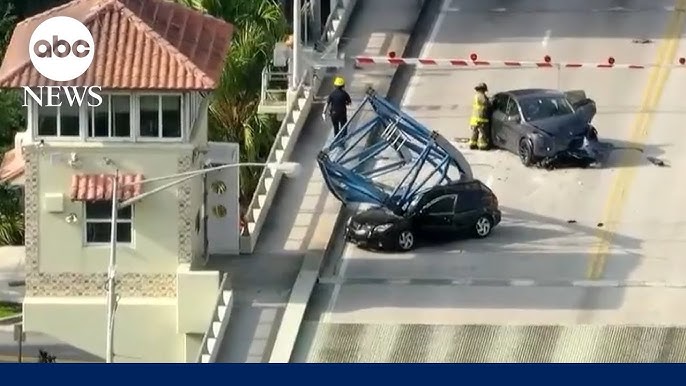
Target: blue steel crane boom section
x=352 y=172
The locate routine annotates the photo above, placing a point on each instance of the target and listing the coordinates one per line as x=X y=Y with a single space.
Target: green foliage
x=11 y=112
x=259 y=25
x=11 y=121
x=11 y=216
x=9 y=309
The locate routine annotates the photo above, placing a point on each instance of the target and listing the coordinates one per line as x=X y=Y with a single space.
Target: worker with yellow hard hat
x=479 y=120
x=337 y=106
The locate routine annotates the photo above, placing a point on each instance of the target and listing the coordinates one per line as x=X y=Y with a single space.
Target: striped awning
x=98 y=187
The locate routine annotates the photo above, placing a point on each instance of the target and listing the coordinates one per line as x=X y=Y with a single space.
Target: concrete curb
x=327 y=227
x=9 y=320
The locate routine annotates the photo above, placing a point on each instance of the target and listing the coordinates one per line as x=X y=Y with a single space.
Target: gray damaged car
x=545 y=127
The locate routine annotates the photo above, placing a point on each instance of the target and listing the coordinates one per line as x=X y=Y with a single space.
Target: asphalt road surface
x=590 y=250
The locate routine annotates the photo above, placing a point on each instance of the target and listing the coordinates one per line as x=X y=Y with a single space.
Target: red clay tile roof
x=98 y=187
x=139 y=44
x=12 y=165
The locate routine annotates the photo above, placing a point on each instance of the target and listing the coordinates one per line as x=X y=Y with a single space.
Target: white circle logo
x=61 y=48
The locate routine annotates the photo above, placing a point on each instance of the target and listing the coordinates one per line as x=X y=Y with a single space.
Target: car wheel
x=526 y=152
x=483 y=227
x=406 y=240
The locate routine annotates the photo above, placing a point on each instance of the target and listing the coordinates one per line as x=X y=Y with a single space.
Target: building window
x=57 y=121
x=98 y=219
x=160 y=116
x=112 y=119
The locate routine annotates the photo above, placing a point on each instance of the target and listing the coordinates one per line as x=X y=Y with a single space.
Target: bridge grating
x=411 y=343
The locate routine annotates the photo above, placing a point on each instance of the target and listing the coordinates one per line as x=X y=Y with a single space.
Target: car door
x=497 y=119
x=468 y=209
x=511 y=128
x=436 y=217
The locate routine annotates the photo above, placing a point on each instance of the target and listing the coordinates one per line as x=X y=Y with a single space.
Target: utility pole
x=111 y=292
x=295 y=77
x=290 y=169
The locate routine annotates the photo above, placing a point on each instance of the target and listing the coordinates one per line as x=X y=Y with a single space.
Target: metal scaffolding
x=420 y=158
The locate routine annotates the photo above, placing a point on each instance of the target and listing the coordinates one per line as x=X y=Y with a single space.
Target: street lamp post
x=111 y=292
x=295 y=77
x=288 y=168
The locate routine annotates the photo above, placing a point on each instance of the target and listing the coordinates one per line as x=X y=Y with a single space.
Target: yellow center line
x=666 y=54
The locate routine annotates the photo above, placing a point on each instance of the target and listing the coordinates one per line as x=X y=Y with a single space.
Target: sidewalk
x=303 y=212
x=12 y=273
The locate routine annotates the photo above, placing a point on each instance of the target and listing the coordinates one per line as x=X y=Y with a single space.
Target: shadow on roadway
x=523 y=246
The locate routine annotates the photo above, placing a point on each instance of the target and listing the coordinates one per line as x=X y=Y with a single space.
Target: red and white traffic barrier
x=474 y=61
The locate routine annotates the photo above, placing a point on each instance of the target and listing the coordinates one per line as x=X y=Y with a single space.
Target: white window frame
x=33 y=115
x=106 y=98
x=433 y=202
x=87 y=221
x=159 y=137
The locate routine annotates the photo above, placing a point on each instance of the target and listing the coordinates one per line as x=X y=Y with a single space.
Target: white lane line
x=445 y=7
x=498 y=9
x=546 y=38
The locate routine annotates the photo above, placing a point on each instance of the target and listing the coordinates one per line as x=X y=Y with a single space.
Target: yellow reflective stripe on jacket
x=477 y=112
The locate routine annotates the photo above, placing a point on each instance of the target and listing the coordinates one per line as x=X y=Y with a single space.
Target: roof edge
x=47 y=12
x=151 y=34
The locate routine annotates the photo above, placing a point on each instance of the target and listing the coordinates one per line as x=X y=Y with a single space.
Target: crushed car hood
x=376 y=216
x=572 y=124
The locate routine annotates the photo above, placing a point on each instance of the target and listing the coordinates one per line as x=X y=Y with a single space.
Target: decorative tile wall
x=78 y=284
x=186 y=215
x=31 y=208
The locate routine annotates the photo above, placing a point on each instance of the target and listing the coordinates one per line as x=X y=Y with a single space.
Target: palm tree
x=259 y=25
x=11 y=216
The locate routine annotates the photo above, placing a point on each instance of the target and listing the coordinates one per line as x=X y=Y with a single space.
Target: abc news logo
x=44 y=49
x=62 y=49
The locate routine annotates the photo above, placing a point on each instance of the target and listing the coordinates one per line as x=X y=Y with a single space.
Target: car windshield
x=535 y=108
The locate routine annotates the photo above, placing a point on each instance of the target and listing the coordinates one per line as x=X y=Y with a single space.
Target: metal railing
x=324 y=38
x=270 y=95
x=223 y=285
x=304 y=82
x=306 y=13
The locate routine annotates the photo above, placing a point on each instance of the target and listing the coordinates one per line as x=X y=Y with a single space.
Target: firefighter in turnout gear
x=479 y=120
x=337 y=105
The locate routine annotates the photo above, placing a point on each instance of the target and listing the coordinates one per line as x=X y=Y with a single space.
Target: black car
x=454 y=209
x=545 y=126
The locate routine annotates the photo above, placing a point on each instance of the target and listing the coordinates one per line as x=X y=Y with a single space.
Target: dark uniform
x=337 y=105
x=479 y=120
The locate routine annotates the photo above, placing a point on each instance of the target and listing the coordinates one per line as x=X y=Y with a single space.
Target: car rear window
x=485 y=188
x=535 y=108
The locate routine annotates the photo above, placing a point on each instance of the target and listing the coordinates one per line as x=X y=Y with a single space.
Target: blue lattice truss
x=351 y=169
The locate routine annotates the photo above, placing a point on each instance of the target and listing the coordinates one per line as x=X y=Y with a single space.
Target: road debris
x=657 y=162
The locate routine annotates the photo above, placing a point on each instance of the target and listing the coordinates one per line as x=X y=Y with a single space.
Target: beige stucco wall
x=160 y=329
x=155 y=239
x=145 y=328
x=193 y=342
x=197 y=293
x=164 y=308
x=199 y=136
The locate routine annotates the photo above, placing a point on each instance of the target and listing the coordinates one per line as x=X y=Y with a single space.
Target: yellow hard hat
x=339 y=81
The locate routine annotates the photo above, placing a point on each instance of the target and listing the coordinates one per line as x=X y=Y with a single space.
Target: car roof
x=452 y=186
x=533 y=92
